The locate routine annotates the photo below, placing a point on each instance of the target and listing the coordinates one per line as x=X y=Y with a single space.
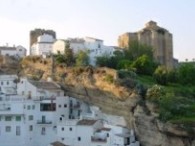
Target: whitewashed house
x=94 y=47
x=59 y=46
x=18 y=51
x=43 y=46
x=8 y=84
x=36 y=113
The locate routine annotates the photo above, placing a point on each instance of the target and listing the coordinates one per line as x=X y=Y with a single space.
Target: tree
x=82 y=58
x=68 y=54
x=137 y=49
x=186 y=73
x=144 y=65
x=102 y=61
x=160 y=75
x=124 y=64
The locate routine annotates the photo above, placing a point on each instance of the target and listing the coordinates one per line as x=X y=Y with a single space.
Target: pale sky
x=103 y=19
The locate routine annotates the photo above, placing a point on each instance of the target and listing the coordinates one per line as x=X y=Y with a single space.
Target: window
x=30 y=118
x=22 y=92
x=33 y=106
x=59 y=105
x=17 y=130
x=70 y=128
x=62 y=128
x=31 y=128
x=28 y=107
x=18 y=118
x=2 y=83
x=79 y=138
x=48 y=107
x=62 y=138
x=8 y=118
x=7 y=82
x=24 y=106
x=43 y=131
x=8 y=129
x=29 y=94
x=65 y=105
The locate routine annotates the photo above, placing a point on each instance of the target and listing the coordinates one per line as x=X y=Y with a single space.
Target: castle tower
x=152 y=35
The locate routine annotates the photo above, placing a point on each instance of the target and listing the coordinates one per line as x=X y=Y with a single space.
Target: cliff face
x=103 y=88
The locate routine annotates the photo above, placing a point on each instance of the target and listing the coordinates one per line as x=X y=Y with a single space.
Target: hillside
x=104 y=87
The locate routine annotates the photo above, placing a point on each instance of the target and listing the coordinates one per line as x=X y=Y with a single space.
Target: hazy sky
x=104 y=19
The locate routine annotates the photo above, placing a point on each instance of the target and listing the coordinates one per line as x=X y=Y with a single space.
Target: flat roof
x=45 y=85
x=86 y=122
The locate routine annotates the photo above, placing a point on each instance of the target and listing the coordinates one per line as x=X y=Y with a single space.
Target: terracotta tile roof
x=86 y=122
x=45 y=85
x=57 y=143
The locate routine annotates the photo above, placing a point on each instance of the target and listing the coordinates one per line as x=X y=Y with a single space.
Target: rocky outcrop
x=103 y=88
x=152 y=132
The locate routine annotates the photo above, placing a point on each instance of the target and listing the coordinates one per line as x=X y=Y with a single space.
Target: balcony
x=44 y=122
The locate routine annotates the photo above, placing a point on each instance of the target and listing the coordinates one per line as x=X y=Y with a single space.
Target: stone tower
x=152 y=35
x=34 y=34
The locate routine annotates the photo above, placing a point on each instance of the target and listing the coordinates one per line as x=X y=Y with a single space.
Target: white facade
x=39 y=114
x=58 y=46
x=18 y=51
x=94 y=47
x=43 y=46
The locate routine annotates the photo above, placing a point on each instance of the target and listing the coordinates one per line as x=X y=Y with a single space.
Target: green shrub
x=126 y=74
x=109 y=78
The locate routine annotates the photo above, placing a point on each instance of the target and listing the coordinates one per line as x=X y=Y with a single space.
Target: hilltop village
x=53 y=104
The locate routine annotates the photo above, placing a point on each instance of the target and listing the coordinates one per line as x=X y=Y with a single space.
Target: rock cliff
x=102 y=87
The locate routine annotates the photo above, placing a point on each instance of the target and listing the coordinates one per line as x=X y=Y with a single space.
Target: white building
x=38 y=114
x=18 y=51
x=43 y=46
x=94 y=47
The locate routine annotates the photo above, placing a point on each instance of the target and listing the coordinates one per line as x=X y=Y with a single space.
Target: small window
x=65 y=105
x=7 y=82
x=107 y=134
x=22 y=92
x=28 y=107
x=79 y=138
x=8 y=118
x=33 y=107
x=31 y=128
x=59 y=105
x=18 y=118
x=62 y=128
x=8 y=129
x=17 y=130
x=30 y=118
x=43 y=131
x=62 y=138
x=2 y=83
x=70 y=128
